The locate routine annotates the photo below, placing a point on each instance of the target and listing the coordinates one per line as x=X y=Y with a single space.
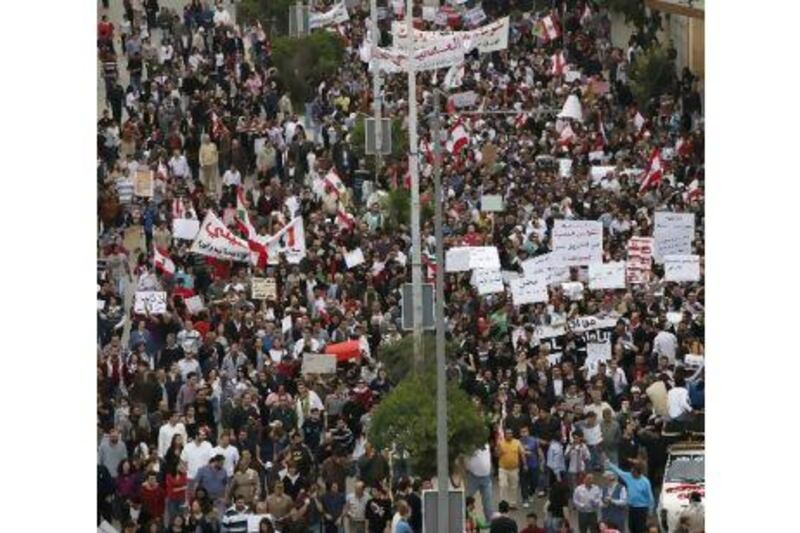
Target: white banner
x=194 y=304
x=590 y=323
x=216 y=240
x=673 y=234
x=488 y=38
x=335 y=15
x=440 y=54
x=456 y=259
x=465 y=99
x=153 y=302
x=463 y=258
x=263 y=288
x=607 y=275
x=577 y=242
x=640 y=260
x=185 y=228
x=474 y=16
x=291 y=241
x=353 y=258
x=487 y=281
x=528 y=291
x=318 y=363
x=573 y=290
x=682 y=268
x=596 y=352
x=542 y=265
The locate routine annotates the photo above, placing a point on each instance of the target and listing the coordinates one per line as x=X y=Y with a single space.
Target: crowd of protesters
x=205 y=422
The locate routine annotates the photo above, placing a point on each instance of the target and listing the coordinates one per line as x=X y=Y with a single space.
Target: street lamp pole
x=376 y=89
x=416 y=251
x=442 y=464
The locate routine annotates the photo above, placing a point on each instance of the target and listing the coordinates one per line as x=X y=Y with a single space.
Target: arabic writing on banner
x=488 y=38
x=487 y=281
x=682 y=268
x=335 y=15
x=587 y=329
x=194 y=304
x=440 y=54
x=216 y=240
x=318 y=363
x=153 y=302
x=528 y=291
x=144 y=183
x=463 y=258
x=577 y=242
x=607 y=275
x=673 y=234
x=185 y=228
x=263 y=288
x=542 y=265
x=473 y=17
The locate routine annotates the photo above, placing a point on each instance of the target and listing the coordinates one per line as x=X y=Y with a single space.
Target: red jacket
x=152 y=500
x=176 y=487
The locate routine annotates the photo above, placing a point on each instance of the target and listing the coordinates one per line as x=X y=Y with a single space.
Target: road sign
x=369 y=136
x=407 y=307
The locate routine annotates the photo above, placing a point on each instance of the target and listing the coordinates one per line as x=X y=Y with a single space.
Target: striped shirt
x=234 y=521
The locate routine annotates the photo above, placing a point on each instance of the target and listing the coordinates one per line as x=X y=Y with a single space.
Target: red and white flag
x=459 y=138
x=567 y=135
x=521 y=119
x=550 y=28
x=639 y=122
x=558 y=63
x=162 y=262
x=653 y=173
x=178 y=209
x=693 y=192
x=344 y=220
x=333 y=183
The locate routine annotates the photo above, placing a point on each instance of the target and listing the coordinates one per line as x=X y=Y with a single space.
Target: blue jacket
x=640 y=493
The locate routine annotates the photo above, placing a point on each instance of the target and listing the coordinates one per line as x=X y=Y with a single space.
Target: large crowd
x=206 y=421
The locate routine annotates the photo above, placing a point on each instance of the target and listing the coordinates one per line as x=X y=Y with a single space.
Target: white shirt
x=187 y=366
x=678 y=402
x=231 y=455
x=480 y=463
x=195 y=457
x=665 y=344
x=189 y=340
x=165 y=435
x=179 y=166
x=222 y=18
x=232 y=178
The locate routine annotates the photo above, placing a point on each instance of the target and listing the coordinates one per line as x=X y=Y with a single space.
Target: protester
x=200 y=124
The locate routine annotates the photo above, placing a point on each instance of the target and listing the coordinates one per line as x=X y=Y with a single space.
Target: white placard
x=565 y=167
x=457 y=259
x=682 y=268
x=674 y=317
x=185 y=228
x=640 y=260
x=528 y=291
x=101 y=304
x=263 y=288
x=590 y=323
x=508 y=275
x=335 y=15
x=153 y=302
x=353 y=258
x=673 y=234
x=318 y=363
x=487 y=281
x=464 y=99
x=215 y=240
x=572 y=75
x=492 y=203
x=598 y=172
x=194 y=304
x=286 y=323
x=607 y=275
x=577 y=243
x=573 y=290
x=484 y=257
x=596 y=352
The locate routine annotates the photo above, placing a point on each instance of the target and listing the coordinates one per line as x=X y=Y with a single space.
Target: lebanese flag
x=162 y=262
x=567 y=135
x=344 y=220
x=521 y=119
x=459 y=138
x=639 y=122
x=454 y=77
x=558 y=63
x=178 y=209
x=241 y=217
x=550 y=28
x=333 y=183
x=653 y=173
x=427 y=149
x=217 y=127
x=693 y=192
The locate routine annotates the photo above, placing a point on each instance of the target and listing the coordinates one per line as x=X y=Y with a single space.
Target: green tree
x=249 y=11
x=398 y=357
x=303 y=63
x=407 y=419
x=651 y=74
x=632 y=10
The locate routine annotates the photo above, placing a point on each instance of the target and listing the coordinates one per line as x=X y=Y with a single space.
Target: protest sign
x=508 y=275
x=335 y=15
x=464 y=99
x=598 y=172
x=585 y=330
x=673 y=234
x=185 y=228
x=318 y=363
x=573 y=290
x=607 y=275
x=577 y=243
x=488 y=38
x=596 y=352
x=263 y=288
x=492 y=203
x=565 y=168
x=528 y=290
x=473 y=17
x=542 y=265
x=487 y=281
x=484 y=257
x=353 y=258
x=216 y=240
x=442 y=53
x=194 y=304
x=286 y=323
x=640 y=260
x=101 y=305
x=682 y=268
x=457 y=259
x=144 y=183
x=153 y=302
x=572 y=75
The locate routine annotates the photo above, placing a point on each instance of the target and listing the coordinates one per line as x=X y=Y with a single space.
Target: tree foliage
x=398 y=357
x=249 y=11
x=407 y=419
x=632 y=10
x=651 y=75
x=305 y=62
